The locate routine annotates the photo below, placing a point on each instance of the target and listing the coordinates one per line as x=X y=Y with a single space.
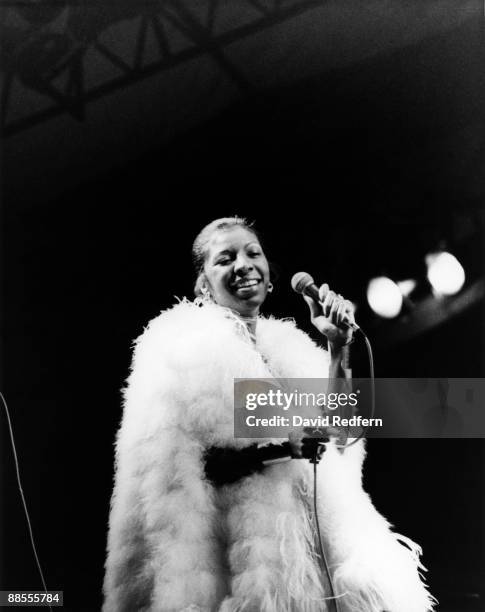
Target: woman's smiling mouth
x=245 y=283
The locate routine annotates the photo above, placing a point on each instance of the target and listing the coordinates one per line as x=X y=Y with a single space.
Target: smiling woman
x=203 y=521
x=232 y=265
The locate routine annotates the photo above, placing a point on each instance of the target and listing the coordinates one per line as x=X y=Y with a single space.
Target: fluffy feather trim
x=177 y=544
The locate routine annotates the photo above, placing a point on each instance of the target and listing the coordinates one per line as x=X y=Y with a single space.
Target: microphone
x=303 y=283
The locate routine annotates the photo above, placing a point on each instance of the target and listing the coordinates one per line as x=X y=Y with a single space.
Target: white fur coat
x=176 y=543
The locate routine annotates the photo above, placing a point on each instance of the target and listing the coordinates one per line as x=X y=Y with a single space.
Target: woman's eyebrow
x=223 y=252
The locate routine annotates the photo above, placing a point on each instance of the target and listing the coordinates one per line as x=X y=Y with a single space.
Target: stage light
x=384 y=297
x=407 y=286
x=445 y=273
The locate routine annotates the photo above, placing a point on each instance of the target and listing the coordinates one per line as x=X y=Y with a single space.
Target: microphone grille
x=300 y=280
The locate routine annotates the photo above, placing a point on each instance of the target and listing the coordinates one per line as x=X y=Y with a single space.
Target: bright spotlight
x=407 y=286
x=445 y=273
x=384 y=297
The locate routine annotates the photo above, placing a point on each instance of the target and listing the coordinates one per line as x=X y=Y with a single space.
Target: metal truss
x=53 y=50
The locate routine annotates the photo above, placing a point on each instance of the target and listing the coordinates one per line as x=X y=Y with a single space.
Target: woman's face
x=237 y=270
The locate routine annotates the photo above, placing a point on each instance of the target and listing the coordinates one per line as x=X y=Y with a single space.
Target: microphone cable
x=370 y=356
x=323 y=556
x=17 y=469
x=333 y=597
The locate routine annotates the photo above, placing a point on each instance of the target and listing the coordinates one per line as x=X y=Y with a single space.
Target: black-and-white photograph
x=212 y=209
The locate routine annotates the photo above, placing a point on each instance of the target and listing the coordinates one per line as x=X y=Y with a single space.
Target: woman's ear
x=202 y=286
x=198 y=285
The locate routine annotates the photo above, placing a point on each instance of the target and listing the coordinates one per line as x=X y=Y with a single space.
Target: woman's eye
x=254 y=254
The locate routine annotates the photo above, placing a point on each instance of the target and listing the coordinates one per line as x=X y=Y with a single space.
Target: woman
x=195 y=528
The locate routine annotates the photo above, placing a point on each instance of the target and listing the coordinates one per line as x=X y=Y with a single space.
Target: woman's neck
x=250 y=322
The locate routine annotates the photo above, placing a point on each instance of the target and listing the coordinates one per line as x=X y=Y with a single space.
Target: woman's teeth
x=248 y=283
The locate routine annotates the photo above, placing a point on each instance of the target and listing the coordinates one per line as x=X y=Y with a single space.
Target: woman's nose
x=242 y=265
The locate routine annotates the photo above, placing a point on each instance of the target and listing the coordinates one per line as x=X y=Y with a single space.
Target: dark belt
x=228 y=465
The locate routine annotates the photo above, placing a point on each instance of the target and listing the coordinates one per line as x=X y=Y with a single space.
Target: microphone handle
x=312 y=291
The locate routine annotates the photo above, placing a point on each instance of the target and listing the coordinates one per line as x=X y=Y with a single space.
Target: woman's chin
x=244 y=305
x=246 y=302
x=249 y=306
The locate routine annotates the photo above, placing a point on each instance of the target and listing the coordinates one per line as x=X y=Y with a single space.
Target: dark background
x=352 y=135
